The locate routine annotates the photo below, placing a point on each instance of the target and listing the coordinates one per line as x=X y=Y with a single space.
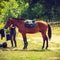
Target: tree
x=30 y=9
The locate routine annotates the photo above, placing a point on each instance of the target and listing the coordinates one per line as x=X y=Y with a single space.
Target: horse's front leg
x=25 y=41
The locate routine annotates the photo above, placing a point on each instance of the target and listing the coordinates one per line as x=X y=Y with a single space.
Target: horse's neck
x=18 y=23
x=21 y=21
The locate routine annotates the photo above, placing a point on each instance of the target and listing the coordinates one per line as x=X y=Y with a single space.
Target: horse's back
x=43 y=26
x=42 y=23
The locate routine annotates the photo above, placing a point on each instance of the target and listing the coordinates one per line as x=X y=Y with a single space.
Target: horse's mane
x=18 y=19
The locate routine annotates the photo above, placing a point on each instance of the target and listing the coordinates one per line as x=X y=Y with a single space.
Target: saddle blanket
x=29 y=23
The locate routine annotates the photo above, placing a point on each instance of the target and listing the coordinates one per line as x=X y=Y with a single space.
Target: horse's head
x=8 y=23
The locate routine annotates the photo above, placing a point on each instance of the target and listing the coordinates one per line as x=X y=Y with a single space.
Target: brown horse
x=40 y=26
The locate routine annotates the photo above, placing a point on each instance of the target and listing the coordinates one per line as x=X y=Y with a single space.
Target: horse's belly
x=32 y=30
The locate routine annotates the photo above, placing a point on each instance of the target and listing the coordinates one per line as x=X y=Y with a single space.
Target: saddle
x=29 y=23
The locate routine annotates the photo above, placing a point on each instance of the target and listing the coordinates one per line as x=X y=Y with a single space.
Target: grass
x=34 y=51
x=28 y=55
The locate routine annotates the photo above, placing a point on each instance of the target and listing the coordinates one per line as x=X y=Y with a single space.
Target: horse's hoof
x=42 y=47
x=24 y=48
x=46 y=48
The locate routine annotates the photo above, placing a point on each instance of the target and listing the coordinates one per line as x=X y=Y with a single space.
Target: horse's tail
x=49 y=31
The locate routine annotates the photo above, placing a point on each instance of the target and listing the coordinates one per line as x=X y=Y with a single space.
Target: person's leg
x=14 y=39
x=11 y=41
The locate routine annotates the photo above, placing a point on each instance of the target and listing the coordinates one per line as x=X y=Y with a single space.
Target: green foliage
x=30 y=9
x=38 y=9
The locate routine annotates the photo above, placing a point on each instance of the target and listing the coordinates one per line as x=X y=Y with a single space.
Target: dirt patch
x=55 y=39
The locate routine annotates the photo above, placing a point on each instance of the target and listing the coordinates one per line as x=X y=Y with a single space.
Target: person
x=13 y=35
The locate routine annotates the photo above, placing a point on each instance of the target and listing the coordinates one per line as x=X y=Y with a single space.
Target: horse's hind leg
x=45 y=39
x=25 y=41
x=46 y=42
x=43 y=43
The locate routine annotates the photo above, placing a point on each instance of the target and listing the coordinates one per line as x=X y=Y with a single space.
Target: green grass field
x=34 y=51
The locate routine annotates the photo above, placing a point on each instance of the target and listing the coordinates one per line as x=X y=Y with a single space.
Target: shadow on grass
x=30 y=50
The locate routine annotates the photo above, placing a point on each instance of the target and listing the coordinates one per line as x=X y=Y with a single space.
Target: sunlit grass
x=37 y=54
x=56 y=30
x=34 y=51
